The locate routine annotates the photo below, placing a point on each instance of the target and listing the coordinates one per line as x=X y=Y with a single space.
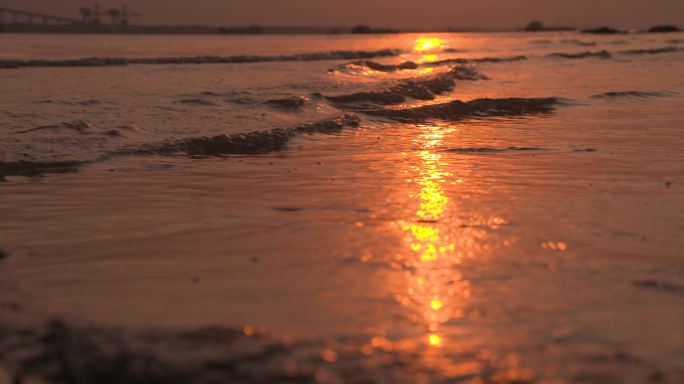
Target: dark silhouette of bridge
x=8 y=15
x=89 y=16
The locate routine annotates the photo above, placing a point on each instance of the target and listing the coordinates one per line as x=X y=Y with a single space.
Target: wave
x=581 y=43
x=84 y=103
x=244 y=144
x=247 y=144
x=491 y=150
x=420 y=89
x=287 y=103
x=633 y=94
x=37 y=168
x=477 y=60
x=79 y=126
x=459 y=110
x=112 y=61
x=410 y=65
x=203 y=102
x=660 y=286
x=652 y=51
x=382 y=67
x=582 y=55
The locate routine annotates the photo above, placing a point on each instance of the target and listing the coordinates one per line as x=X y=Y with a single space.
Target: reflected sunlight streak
x=435 y=286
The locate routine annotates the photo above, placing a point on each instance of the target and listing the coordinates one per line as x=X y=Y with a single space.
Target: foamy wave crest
x=420 y=89
x=459 y=110
x=375 y=66
x=112 y=61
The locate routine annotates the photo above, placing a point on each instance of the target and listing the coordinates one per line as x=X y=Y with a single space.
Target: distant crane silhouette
x=126 y=15
x=115 y=14
x=86 y=14
x=96 y=14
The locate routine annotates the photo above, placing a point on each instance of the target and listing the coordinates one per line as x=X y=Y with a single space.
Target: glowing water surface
x=435 y=244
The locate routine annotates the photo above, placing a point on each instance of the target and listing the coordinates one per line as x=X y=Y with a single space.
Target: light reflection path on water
x=436 y=290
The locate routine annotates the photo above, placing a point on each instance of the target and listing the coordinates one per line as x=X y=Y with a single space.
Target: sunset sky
x=391 y=13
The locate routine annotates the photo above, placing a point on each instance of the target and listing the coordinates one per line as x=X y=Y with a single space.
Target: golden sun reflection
x=427 y=44
x=435 y=340
x=435 y=289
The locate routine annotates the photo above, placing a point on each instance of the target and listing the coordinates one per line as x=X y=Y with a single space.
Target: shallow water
x=498 y=243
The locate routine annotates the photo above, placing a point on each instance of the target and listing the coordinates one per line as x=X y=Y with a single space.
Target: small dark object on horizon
x=367 y=29
x=534 y=26
x=250 y=30
x=3 y=255
x=604 y=31
x=668 y=184
x=664 y=29
x=538 y=26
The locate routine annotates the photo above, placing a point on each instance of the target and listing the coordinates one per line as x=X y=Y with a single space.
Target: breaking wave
x=381 y=67
x=409 y=65
x=112 y=61
x=420 y=89
x=249 y=143
x=458 y=110
x=244 y=144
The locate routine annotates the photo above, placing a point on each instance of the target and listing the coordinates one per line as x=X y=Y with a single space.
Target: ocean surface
x=405 y=208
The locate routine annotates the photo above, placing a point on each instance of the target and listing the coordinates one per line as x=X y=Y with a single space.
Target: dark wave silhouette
x=409 y=65
x=420 y=89
x=652 y=51
x=459 y=110
x=37 y=168
x=492 y=150
x=633 y=94
x=582 y=55
x=247 y=143
x=383 y=67
x=477 y=60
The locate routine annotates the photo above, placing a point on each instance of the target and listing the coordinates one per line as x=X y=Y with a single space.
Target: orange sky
x=392 y=13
